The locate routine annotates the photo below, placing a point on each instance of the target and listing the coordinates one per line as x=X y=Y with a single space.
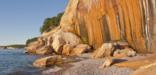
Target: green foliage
x=16 y=46
x=31 y=40
x=50 y=23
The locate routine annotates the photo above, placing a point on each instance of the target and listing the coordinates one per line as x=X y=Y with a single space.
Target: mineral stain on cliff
x=110 y=20
x=100 y=21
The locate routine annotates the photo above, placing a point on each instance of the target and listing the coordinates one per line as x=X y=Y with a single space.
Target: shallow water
x=16 y=62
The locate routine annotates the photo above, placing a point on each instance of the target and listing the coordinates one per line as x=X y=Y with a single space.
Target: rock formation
x=98 y=21
x=48 y=61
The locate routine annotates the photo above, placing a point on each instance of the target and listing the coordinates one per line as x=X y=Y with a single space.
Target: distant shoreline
x=15 y=46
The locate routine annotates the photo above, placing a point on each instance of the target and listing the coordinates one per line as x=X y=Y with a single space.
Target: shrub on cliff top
x=31 y=40
x=50 y=23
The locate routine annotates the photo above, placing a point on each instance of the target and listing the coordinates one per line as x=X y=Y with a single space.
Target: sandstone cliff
x=99 y=21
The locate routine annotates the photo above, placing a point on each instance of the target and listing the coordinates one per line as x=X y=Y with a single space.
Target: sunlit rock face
x=99 y=21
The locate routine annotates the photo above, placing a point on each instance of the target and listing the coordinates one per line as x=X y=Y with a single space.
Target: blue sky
x=21 y=19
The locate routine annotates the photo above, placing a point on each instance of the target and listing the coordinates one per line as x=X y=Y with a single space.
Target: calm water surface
x=16 y=62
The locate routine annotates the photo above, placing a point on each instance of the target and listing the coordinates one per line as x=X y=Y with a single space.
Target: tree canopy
x=50 y=23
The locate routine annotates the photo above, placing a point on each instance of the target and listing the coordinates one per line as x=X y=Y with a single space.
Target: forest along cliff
x=90 y=23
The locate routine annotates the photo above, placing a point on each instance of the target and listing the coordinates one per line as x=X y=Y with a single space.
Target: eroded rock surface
x=54 y=43
x=99 y=21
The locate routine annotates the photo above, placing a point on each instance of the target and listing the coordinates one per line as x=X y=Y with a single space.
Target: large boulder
x=33 y=46
x=44 y=50
x=58 y=43
x=54 y=40
x=75 y=51
x=61 y=38
x=67 y=49
x=79 y=49
x=105 y=50
x=48 y=61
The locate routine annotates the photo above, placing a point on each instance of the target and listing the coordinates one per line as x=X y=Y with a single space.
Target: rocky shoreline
x=84 y=65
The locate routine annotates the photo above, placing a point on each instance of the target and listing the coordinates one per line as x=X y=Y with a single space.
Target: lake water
x=16 y=62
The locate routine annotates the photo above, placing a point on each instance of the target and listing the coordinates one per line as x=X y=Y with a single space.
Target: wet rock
x=48 y=61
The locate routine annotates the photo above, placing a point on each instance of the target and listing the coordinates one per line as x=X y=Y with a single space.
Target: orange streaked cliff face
x=99 y=21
